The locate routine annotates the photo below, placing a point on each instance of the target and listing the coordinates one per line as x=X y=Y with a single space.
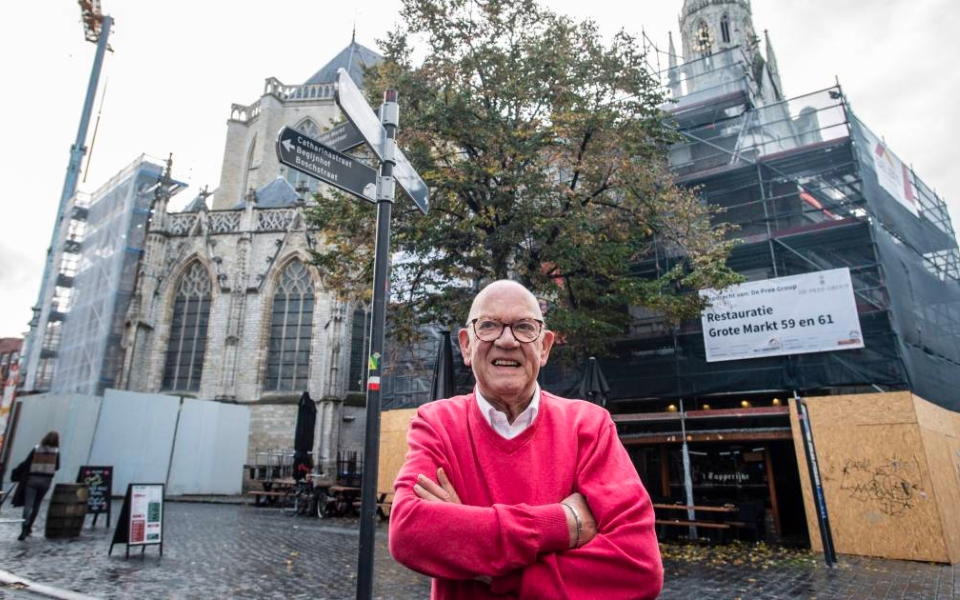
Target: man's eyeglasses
x=490 y=330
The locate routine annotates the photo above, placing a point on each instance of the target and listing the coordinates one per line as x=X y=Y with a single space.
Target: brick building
x=9 y=355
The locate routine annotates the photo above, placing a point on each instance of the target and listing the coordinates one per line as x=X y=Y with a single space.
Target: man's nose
x=512 y=339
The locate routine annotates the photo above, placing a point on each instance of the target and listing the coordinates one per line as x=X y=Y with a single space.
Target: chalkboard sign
x=99 y=481
x=141 y=518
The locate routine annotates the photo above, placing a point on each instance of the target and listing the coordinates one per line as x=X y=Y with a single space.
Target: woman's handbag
x=21 y=470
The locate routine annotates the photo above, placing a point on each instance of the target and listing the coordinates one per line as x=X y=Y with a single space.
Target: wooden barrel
x=68 y=508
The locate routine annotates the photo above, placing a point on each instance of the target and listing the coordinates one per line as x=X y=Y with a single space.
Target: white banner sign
x=813 y=312
x=892 y=174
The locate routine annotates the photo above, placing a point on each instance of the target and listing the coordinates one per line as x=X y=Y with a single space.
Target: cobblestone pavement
x=242 y=551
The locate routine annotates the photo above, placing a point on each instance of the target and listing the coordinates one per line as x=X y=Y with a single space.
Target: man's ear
x=548 y=338
x=464 y=338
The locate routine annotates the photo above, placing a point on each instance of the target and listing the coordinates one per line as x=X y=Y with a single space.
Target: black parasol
x=303 y=436
x=593 y=386
x=443 y=370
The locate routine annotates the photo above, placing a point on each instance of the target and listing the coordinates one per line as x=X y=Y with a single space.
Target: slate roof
x=196 y=205
x=354 y=58
x=276 y=194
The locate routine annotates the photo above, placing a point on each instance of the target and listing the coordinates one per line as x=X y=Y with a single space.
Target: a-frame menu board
x=141 y=518
x=99 y=482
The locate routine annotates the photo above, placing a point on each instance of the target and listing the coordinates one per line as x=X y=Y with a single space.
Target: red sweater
x=511 y=526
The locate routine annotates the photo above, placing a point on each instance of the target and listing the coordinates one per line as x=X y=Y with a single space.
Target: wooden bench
x=685 y=523
x=383 y=505
x=721 y=528
x=262 y=497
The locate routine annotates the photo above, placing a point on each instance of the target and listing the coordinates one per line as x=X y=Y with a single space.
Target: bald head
x=500 y=290
x=505 y=368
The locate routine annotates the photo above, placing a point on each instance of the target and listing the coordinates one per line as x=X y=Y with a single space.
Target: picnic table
x=274 y=491
x=719 y=517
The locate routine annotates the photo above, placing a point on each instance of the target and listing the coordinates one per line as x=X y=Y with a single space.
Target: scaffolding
x=102 y=279
x=809 y=188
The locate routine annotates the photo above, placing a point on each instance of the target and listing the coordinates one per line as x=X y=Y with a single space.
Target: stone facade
x=236 y=252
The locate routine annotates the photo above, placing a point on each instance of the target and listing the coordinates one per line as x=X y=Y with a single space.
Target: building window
x=359 y=340
x=188 y=331
x=297 y=179
x=291 y=329
x=725 y=28
x=703 y=39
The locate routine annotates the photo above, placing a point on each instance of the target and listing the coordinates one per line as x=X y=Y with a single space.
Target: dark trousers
x=36 y=489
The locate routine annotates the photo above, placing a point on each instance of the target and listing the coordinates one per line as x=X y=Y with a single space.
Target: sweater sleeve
x=462 y=542
x=623 y=560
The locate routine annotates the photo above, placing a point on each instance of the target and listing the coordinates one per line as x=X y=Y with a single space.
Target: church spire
x=672 y=51
x=772 y=65
x=673 y=74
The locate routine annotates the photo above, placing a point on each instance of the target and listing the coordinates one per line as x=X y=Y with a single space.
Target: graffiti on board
x=895 y=485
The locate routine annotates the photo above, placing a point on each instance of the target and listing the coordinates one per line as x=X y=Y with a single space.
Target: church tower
x=249 y=160
x=716 y=28
x=711 y=26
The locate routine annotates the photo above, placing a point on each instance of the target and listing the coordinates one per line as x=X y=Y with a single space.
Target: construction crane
x=96 y=28
x=92 y=19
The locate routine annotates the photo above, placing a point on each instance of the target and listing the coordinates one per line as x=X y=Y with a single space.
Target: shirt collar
x=498 y=420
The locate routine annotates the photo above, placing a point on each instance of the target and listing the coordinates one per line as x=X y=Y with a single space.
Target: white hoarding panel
x=135 y=435
x=73 y=416
x=211 y=448
x=813 y=312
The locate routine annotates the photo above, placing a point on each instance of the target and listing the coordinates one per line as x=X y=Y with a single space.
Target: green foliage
x=545 y=152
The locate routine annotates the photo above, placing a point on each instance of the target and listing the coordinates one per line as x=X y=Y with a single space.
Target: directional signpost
x=321 y=159
x=342 y=138
x=353 y=104
x=309 y=156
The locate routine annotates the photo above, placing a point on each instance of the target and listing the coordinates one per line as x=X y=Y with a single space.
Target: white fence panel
x=135 y=434
x=73 y=416
x=211 y=448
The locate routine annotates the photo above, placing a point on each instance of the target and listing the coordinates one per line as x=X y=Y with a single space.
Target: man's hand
x=429 y=490
x=588 y=524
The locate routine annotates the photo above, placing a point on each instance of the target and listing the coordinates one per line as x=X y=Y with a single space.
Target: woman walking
x=43 y=461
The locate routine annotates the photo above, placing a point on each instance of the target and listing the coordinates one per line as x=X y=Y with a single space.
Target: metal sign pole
x=390 y=113
x=826 y=537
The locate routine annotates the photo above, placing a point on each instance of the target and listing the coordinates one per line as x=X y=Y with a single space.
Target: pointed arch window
x=359 y=342
x=725 y=28
x=291 y=329
x=183 y=365
x=297 y=179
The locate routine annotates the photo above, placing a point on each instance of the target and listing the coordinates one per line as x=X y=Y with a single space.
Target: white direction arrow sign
x=354 y=105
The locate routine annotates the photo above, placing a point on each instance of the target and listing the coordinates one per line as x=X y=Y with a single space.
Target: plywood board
x=940 y=430
x=878 y=480
x=806 y=486
x=393 y=445
x=871 y=409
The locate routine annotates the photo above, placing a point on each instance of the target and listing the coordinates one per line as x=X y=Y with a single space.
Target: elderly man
x=512 y=492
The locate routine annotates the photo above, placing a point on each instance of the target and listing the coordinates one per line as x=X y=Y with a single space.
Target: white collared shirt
x=498 y=420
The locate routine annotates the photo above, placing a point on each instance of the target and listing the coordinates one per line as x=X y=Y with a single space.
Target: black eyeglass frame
x=472 y=323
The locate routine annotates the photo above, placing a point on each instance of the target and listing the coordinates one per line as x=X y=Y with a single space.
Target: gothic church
x=227 y=305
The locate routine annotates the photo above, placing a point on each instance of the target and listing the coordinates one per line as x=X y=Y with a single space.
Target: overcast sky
x=178 y=66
